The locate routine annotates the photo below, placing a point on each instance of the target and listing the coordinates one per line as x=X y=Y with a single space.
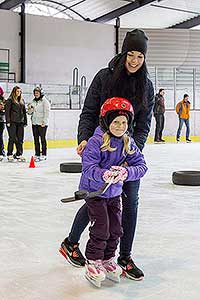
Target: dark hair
x=185 y=95
x=120 y=83
x=160 y=90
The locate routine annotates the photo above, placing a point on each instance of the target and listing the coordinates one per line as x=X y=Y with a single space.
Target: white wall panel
x=56 y=46
x=63 y=125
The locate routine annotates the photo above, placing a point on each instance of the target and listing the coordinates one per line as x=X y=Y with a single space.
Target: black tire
x=186 y=178
x=71 y=167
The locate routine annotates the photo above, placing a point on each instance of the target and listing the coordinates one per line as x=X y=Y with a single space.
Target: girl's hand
x=107 y=175
x=8 y=124
x=121 y=173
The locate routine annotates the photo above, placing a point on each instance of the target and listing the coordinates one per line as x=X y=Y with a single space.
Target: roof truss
x=122 y=10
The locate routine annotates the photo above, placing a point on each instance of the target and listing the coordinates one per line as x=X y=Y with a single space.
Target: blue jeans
x=129 y=218
x=187 y=124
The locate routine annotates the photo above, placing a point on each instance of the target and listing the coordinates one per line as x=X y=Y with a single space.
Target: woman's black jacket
x=15 y=112
x=96 y=95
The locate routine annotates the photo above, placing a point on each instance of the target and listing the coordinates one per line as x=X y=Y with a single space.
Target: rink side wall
x=62 y=128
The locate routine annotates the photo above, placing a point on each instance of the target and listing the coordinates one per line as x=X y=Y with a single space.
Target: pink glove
x=107 y=175
x=121 y=173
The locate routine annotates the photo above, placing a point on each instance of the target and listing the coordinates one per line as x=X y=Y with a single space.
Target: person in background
x=159 y=111
x=39 y=110
x=2 y=122
x=126 y=76
x=16 y=120
x=183 y=111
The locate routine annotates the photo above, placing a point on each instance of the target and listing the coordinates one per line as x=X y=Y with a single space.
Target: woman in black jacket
x=2 y=121
x=126 y=76
x=16 y=119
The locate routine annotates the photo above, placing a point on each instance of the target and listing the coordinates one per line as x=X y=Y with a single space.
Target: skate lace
x=110 y=265
x=98 y=266
x=95 y=267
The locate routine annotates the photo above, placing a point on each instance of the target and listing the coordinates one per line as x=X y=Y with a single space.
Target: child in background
x=109 y=153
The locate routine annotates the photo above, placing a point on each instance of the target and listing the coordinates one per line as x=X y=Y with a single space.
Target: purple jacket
x=95 y=162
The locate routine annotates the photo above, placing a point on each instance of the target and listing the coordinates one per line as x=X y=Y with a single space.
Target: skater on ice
x=39 y=110
x=16 y=120
x=126 y=76
x=2 y=122
x=110 y=154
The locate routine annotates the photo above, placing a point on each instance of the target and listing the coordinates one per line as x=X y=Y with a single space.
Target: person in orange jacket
x=183 y=111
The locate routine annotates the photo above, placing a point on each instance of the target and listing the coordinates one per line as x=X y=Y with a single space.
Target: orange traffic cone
x=32 y=163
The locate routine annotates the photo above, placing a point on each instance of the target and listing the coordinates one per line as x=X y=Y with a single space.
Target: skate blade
x=113 y=277
x=93 y=281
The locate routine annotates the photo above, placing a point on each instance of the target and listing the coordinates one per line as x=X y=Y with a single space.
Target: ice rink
x=34 y=222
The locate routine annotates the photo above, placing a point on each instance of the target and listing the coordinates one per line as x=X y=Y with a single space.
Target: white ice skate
x=20 y=158
x=112 y=269
x=36 y=158
x=10 y=158
x=95 y=272
x=43 y=157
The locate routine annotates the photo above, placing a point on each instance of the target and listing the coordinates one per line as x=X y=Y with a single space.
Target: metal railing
x=177 y=82
x=60 y=96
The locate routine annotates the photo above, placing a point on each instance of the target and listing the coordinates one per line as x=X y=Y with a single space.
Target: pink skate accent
x=93 y=271
x=110 y=265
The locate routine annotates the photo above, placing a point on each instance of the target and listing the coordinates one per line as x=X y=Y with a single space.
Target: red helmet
x=116 y=103
x=112 y=105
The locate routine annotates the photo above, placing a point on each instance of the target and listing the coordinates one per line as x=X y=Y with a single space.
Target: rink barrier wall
x=63 y=128
x=73 y=143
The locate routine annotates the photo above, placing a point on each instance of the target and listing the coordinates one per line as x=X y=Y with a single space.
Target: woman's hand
x=81 y=147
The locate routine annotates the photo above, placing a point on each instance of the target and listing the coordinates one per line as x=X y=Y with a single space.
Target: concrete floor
x=34 y=222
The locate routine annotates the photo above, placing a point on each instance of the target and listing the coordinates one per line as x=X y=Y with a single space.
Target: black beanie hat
x=135 y=40
x=114 y=114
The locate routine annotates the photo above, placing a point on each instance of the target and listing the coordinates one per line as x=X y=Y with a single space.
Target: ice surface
x=34 y=222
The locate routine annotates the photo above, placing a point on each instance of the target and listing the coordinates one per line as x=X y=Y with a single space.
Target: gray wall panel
x=171 y=47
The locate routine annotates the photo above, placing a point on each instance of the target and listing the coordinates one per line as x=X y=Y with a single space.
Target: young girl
x=16 y=119
x=39 y=110
x=109 y=153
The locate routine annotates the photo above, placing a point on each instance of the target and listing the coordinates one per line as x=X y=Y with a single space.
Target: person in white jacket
x=39 y=110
